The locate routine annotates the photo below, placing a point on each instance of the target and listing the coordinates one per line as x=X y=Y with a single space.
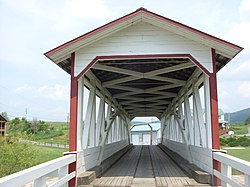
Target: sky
x=32 y=86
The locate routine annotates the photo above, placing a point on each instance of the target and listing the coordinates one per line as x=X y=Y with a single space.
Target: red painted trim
x=121 y=57
x=214 y=116
x=73 y=117
x=143 y=11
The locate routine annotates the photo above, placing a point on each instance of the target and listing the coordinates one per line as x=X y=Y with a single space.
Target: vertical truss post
x=198 y=116
x=106 y=134
x=180 y=119
x=88 y=134
x=100 y=120
x=92 y=133
x=80 y=113
x=207 y=111
x=163 y=127
x=188 y=120
x=108 y=118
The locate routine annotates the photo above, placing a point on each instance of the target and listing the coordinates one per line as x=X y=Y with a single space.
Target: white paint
x=201 y=157
x=143 y=39
x=146 y=139
x=208 y=123
x=229 y=162
x=79 y=113
x=40 y=172
x=135 y=139
x=90 y=155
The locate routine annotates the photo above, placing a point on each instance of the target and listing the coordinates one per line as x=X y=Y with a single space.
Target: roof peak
x=141 y=8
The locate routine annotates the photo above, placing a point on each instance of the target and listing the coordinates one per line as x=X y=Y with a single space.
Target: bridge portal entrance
x=144 y=64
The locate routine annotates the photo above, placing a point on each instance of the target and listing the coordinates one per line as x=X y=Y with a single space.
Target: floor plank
x=145 y=166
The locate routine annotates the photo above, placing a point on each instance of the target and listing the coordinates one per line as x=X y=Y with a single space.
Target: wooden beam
x=117 y=70
x=73 y=117
x=118 y=81
x=214 y=116
x=164 y=87
x=166 y=79
x=169 y=69
x=127 y=88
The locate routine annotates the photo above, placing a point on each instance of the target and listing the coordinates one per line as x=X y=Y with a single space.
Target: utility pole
x=26 y=112
x=67 y=119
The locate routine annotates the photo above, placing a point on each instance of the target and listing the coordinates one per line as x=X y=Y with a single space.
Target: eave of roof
x=68 y=47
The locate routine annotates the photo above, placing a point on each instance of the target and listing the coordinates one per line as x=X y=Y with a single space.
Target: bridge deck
x=145 y=166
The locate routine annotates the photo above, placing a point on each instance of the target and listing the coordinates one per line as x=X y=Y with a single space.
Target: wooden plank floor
x=145 y=166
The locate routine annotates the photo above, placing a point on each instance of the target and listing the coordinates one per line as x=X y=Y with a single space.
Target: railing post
x=247 y=180
x=40 y=182
x=71 y=167
x=63 y=171
x=227 y=171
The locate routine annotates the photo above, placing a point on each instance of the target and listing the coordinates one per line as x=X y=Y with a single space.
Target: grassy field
x=18 y=156
x=58 y=134
x=240 y=153
x=243 y=154
x=44 y=154
x=239 y=128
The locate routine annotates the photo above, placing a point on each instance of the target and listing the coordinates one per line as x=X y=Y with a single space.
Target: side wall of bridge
x=102 y=126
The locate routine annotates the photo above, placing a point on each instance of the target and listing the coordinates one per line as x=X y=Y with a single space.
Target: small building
x=3 y=126
x=145 y=133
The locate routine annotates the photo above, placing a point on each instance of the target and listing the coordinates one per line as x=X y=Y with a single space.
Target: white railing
x=227 y=163
x=57 y=168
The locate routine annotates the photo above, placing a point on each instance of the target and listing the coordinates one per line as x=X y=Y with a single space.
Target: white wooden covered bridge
x=144 y=64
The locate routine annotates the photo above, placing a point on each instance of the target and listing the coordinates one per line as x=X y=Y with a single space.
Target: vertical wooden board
x=157 y=41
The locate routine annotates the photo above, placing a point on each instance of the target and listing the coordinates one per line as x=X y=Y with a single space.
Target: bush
x=244 y=141
x=233 y=144
x=235 y=141
x=13 y=156
x=223 y=141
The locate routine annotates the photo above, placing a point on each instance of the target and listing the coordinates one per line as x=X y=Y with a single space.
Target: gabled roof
x=2 y=118
x=225 y=51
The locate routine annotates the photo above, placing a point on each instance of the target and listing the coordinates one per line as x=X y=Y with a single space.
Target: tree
x=247 y=122
x=5 y=115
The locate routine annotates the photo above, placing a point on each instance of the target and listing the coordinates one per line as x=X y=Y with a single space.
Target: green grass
x=18 y=156
x=44 y=154
x=58 y=134
x=243 y=154
x=239 y=128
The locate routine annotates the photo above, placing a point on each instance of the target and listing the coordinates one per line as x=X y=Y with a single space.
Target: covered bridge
x=144 y=64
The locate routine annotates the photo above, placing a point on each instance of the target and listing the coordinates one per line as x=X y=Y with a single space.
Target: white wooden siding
x=143 y=39
x=87 y=158
x=202 y=157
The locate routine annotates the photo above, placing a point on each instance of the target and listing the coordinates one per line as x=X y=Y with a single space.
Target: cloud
x=73 y=13
x=56 y=92
x=22 y=89
x=244 y=10
x=244 y=89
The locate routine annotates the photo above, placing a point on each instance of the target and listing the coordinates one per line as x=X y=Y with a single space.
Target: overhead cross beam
x=156 y=94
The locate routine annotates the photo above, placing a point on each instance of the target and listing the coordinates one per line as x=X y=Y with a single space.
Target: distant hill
x=239 y=116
